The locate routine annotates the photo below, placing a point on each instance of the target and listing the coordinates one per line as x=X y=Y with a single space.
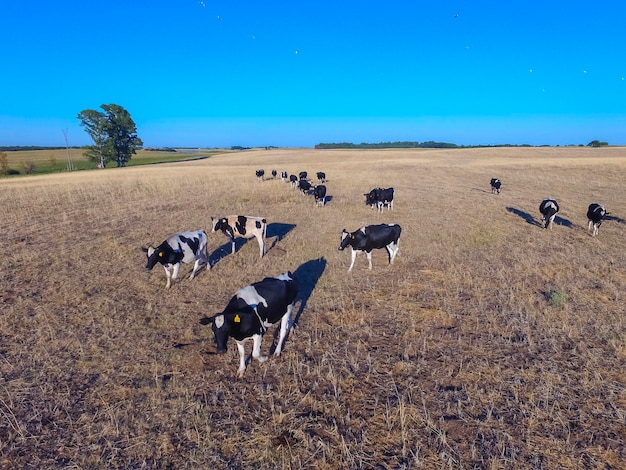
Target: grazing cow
x=283 y=176
x=595 y=214
x=379 y=198
x=302 y=175
x=259 y=174
x=304 y=186
x=293 y=179
x=372 y=237
x=250 y=313
x=319 y=192
x=496 y=184
x=181 y=247
x=548 y=208
x=321 y=176
x=244 y=226
x=274 y=173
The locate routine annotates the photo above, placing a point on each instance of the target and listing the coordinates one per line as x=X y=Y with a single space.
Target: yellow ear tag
x=237 y=319
x=160 y=254
x=353 y=237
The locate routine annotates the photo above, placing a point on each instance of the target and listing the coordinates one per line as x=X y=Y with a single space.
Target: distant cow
x=496 y=184
x=293 y=179
x=283 y=176
x=302 y=175
x=379 y=198
x=251 y=311
x=181 y=247
x=548 y=208
x=304 y=186
x=319 y=192
x=372 y=237
x=259 y=174
x=243 y=226
x=274 y=173
x=321 y=176
x=595 y=213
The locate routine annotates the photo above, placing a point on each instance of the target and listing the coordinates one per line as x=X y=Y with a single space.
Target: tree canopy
x=113 y=132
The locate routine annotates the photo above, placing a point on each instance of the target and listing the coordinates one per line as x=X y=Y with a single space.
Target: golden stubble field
x=490 y=343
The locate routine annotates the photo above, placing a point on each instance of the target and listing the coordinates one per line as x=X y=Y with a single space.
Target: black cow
x=496 y=184
x=251 y=311
x=293 y=179
x=274 y=173
x=548 y=208
x=302 y=175
x=283 y=176
x=259 y=174
x=321 y=176
x=181 y=247
x=372 y=237
x=319 y=192
x=595 y=213
x=379 y=198
x=244 y=226
x=304 y=186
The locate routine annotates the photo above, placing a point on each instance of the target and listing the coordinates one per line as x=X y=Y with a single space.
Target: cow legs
x=196 y=265
x=242 y=358
x=369 y=259
x=354 y=253
x=285 y=326
x=259 y=238
x=169 y=277
x=392 y=249
x=256 y=348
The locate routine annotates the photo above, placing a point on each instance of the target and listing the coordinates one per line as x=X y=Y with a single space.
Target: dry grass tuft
x=490 y=343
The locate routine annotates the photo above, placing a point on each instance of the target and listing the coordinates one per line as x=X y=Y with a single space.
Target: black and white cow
x=243 y=226
x=181 y=247
x=319 y=192
x=372 y=237
x=548 y=208
x=496 y=184
x=304 y=186
x=251 y=311
x=274 y=173
x=321 y=176
x=302 y=175
x=595 y=213
x=259 y=174
x=379 y=198
x=283 y=176
x=293 y=179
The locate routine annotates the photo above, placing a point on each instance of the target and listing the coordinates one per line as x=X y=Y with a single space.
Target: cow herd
x=549 y=207
x=254 y=308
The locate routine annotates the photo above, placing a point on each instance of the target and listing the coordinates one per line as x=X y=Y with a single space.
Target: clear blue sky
x=218 y=73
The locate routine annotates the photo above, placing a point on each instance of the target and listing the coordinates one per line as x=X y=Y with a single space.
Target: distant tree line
x=386 y=145
x=429 y=145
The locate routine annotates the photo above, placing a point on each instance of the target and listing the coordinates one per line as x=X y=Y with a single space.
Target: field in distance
x=490 y=343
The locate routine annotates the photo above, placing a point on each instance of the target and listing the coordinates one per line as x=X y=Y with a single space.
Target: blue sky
x=218 y=73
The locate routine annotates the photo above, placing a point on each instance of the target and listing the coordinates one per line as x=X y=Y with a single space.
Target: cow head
x=218 y=224
x=154 y=256
x=220 y=328
x=346 y=238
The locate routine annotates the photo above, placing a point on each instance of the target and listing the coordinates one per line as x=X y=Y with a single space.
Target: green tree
x=597 y=143
x=113 y=132
x=94 y=123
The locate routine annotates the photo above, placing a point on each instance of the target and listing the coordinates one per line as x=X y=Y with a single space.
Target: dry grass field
x=491 y=343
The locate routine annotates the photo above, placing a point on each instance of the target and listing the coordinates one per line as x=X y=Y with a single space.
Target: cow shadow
x=614 y=218
x=277 y=231
x=307 y=275
x=224 y=250
x=524 y=215
x=563 y=222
